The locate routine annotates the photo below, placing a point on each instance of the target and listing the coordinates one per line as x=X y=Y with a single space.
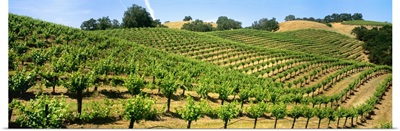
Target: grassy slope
x=365 y=22
x=301 y=24
x=125 y=49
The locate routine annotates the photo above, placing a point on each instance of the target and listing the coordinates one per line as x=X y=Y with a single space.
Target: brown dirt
x=340 y=85
x=364 y=91
x=383 y=112
x=171 y=121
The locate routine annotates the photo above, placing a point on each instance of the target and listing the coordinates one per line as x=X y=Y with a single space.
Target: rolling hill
x=310 y=70
x=179 y=24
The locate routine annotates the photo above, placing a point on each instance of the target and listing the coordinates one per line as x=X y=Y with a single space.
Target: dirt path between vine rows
x=364 y=92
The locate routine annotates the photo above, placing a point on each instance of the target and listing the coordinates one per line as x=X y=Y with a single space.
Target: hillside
x=301 y=24
x=344 y=28
x=179 y=24
x=169 y=65
x=312 y=41
x=365 y=23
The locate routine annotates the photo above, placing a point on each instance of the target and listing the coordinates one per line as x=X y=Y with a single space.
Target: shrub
x=328 y=24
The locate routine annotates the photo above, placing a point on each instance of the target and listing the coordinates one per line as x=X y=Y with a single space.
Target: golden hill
x=302 y=24
x=179 y=24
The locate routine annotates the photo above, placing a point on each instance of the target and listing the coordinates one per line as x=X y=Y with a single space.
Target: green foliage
x=191 y=111
x=378 y=41
x=328 y=24
x=279 y=111
x=256 y=110
x=135 y=17
x=334 y=17
x=290 y=18
x=224 y=23
x=20 y=82
x=203 y=89
x=138 y=108
x=197 y=25
x=99 y=24
x=168 y=87
x=77 y=82
x=50 y=78
x=366 y=22
x=386 y=125
x=11 y=58
x=134 y=83
x=307 y=112
x=228 y=111
x=97 y=111
x=265 y=24
x=38 y=57
x=35 y=115
x=224 y=91
x=296 y=112
x=187 y=18
x=90 y=24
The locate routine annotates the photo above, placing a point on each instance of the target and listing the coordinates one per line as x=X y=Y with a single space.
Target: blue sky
x=74 y=12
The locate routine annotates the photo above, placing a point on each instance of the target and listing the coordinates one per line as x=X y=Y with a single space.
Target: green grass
x=366 y=22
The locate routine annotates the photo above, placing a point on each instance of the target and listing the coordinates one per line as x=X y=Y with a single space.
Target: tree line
x=135 y=17
x=378 y=43
x=335 y=17
x=225 y=23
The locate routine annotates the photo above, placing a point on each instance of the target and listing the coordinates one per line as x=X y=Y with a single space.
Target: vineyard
x=62 y=77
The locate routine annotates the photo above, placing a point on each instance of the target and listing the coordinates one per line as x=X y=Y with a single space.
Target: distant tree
x=357 y=16
x=136 y=16
x=99 y=24
x=360 y=32
x=345 y=17
x=104 y=23
x=265 y=24
x=335 y=17
x=157 y=23
x=378 y=41
x=187 y=18
x=115 y=24
x=319 y=20
x=290 y=18
x=90 y=24
x=311 y=19
x=197 y=25
x=224 y=23
x=328 y=19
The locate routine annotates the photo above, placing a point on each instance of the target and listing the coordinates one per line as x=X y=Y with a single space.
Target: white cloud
x=151 y=11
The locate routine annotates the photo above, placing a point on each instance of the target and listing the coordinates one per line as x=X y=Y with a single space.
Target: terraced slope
x=317 y=42
x=203 y=66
